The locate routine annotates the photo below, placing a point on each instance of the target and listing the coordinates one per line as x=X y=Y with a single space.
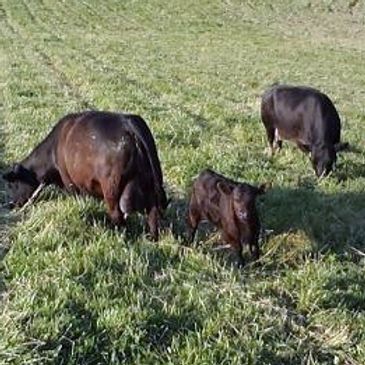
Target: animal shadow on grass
x=345 y=289
x=350 y=170
x=83 y=324
x=176 y=215
x=136 y=224
x=207 y=238
x=133 y=230
x=333 y=222
x=162 y=327
x=158 y=325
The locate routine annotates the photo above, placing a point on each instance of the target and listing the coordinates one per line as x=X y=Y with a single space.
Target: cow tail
x=139 y=128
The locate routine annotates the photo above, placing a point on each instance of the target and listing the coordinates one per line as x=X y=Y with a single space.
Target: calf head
x=323 y=159
x=21 y=185
x=243 y=198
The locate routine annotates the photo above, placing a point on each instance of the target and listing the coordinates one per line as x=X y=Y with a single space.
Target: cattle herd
x=113 y=157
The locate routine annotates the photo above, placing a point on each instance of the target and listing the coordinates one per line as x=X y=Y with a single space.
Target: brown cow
x=230 y=206
x=107 y=155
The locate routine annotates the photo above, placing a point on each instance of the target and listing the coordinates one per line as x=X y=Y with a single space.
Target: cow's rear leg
x=153 y=220
x=111 y=198
x=278 y=143
x=114 y=212
x=193 y=220
x=67 y=183
x=270 y=133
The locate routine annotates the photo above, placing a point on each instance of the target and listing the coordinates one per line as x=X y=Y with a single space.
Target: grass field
x=74 y=291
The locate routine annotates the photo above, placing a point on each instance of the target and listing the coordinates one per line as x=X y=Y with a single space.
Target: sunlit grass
x=75 y=291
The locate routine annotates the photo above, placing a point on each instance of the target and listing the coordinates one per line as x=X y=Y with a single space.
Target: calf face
x=242 y=199
x=245 y=220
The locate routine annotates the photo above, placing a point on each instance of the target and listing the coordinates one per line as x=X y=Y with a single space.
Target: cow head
x=323 y=159
x=243 y=198
x=21 y=185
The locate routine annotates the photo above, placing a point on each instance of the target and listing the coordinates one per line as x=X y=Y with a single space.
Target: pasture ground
x=74 y=291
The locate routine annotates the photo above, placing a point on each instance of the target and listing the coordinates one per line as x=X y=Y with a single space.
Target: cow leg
x=255 y=250
x=130 y=200
x=114 y=212
x=111 y=198
x=193 y=220
x=278 y=143
x=270 y=132
x=68 y=185
x=303 y=147
x=153 y=217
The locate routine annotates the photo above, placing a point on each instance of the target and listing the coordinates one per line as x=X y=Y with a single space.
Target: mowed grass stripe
x=37 y=55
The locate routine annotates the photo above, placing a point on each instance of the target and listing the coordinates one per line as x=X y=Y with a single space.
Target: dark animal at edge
x=107 y=155
x=230 y=206
x=307 y=117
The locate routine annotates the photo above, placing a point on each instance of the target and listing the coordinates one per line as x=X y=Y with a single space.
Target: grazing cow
x=230 y=206
x=107 y=155
x=307 y=117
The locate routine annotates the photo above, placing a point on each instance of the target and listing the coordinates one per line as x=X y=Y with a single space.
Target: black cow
x=107 y=155
x=307 y=117
x=230 y=206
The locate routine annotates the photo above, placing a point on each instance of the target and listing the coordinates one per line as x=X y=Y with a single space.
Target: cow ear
x=14 y=173
x=9 y=176
x=21 y=172
x=224 y=188
x=342 y=146
x=18 y=172
x=263 y=188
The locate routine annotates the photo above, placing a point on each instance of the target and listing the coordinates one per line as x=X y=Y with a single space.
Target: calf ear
x=263 y=188
x=224 y=188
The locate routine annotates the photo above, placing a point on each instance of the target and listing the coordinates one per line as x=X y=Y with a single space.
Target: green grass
x=74 y=291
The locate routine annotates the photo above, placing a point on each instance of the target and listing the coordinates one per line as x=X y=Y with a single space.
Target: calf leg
x=237 y=247
x=193 y=220
x=255 y=250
